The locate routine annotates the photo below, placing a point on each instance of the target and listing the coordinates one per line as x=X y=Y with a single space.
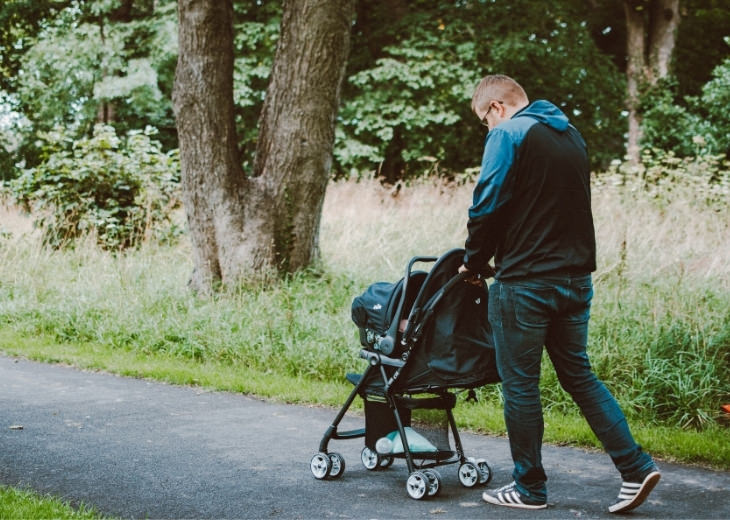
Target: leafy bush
x=693 y=126
x=121 y=190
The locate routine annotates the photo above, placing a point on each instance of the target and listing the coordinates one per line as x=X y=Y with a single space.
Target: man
x=531 y=211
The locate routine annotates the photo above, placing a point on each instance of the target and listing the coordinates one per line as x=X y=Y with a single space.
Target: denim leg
x=518 y=346
x=566 y=346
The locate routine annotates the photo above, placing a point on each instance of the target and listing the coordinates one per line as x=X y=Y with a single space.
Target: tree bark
x=635 y=74
x=297 y=124
x=663 y=36
x=651 y=33
x=248 y=226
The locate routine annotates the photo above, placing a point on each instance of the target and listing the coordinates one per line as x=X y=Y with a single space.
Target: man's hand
x=476 y=278
x=472 y=278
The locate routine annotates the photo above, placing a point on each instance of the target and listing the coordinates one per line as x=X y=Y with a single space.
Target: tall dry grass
x=374 y=230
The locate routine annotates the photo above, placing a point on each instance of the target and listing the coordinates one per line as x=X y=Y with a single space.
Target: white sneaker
x=509 y=496
x=633 y=494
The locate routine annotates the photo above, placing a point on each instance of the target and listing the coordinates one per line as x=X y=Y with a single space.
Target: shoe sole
x=497 y=502
x=647 y=486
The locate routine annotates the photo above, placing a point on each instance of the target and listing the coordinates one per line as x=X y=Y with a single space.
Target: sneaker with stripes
x=633 y=494
x=510 y=497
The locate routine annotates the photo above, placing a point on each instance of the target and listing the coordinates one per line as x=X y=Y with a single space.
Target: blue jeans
x=552 y=312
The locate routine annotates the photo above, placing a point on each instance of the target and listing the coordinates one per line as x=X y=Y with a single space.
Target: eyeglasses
x=484 y=119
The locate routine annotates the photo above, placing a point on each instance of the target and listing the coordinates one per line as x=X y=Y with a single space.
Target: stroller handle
x=387 y=343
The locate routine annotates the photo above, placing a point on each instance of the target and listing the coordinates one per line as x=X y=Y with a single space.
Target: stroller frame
x=423 y=480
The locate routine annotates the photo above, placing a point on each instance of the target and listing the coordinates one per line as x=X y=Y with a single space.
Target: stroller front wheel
x=386 y=461
x=417 y=485
x=321 y=465
x=370 y=459
x=469 y=474
x=338 y=465
x=434 y=481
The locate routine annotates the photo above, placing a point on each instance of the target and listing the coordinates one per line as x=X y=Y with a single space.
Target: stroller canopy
x=448 y=332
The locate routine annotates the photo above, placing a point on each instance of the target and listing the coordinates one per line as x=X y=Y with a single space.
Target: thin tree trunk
x=663 y=36
x=635 y=74
x=651 y=34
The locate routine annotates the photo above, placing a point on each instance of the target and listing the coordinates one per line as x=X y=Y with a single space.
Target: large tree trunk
x=243 y=226
x=297 y=123
x=651 y=33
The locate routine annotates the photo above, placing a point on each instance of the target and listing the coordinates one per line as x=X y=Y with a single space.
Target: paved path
x=139 y=449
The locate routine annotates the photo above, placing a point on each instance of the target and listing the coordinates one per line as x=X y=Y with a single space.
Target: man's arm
x=491 y=192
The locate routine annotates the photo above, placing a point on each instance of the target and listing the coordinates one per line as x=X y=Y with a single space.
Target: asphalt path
x=140 y=449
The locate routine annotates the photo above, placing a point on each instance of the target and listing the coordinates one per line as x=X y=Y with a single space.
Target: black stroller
x=422 y=336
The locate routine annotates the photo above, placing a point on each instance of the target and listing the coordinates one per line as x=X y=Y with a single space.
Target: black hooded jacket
x=531 y=206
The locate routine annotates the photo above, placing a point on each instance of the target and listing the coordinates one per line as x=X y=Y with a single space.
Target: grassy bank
x=660 y=335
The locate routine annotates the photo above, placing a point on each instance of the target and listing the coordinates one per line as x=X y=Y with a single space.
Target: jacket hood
x=545 y=112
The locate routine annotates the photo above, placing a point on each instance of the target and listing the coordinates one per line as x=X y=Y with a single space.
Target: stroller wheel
x=434 y=481
x=338 y=465
x=321 y=465
x=417 y=485
x=485 y=472
x=370 y=459
x=386 y=461
x=468 y=474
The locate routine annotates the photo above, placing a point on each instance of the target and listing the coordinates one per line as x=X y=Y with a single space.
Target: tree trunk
x=246 y=226
x=297 y=124
x=662 y=36
x=651 y=33
x=635 y=75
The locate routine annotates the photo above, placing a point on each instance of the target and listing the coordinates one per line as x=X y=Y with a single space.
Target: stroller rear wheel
x=417 y=485
x=485 y=472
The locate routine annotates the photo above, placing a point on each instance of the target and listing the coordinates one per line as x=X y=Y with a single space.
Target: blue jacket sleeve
x=492 y=191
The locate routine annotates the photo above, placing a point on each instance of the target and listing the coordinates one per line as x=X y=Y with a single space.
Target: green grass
x=26 y=505
x=564 y=426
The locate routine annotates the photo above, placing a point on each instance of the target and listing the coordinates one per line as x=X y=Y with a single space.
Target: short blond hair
x=498 y=87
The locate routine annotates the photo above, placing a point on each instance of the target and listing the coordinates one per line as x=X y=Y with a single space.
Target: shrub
x=121 y=190
x=695 y=125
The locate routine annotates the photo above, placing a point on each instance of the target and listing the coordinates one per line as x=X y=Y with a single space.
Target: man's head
x=497 y=98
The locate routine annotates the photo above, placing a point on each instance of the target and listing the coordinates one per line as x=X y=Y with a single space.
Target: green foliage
x=403 y=110
x=256 y=31
x=666 y=178
x=121 y=190
x=550 y=51
x=406 y=104
x=89 y=62
x=695 y=125
x=704 y=26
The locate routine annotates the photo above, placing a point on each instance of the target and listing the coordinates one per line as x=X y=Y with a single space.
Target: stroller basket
x=422 y=336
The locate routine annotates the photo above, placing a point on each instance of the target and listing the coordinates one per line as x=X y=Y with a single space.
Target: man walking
x=531 y=211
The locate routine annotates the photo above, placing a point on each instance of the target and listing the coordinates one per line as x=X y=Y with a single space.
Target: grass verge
x=27 y=505
x=709 y=447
